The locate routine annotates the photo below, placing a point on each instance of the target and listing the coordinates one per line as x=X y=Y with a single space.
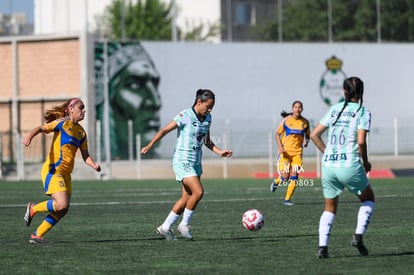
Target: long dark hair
x=354 y=88
x=285 y=114
x=203 y=95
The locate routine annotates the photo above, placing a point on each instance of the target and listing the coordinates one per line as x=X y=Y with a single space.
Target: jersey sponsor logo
x=336 y=157
x=344 y=113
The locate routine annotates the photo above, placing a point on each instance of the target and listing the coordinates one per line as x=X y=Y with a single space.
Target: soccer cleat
x=28 y=216
x=36 y=239
x=273 y=186
x=288 y=203
x=167 y=234
x=322 y=252
x=357 y=242
x=185 y=231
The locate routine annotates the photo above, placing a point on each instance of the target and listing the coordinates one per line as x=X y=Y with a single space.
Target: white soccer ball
x=253 y=219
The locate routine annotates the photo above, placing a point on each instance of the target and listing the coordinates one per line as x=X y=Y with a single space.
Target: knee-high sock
x=187 y=216
x=47 y=224
x=279 y=179
x=291 y=188
x=44 y=206
x=325 y=227
x=170 y=220
x=364 y=216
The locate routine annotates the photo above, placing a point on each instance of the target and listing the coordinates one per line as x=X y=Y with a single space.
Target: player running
x=68 y=137
x=291 y=136
x=193 y=131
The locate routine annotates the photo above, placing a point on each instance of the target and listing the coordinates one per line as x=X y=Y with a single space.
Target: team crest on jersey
x=331 y=84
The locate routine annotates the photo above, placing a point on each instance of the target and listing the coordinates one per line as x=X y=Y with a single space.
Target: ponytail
x=354 y=89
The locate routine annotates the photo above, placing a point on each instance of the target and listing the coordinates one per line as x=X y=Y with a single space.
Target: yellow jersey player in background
x=69 y=136
x=292 y=135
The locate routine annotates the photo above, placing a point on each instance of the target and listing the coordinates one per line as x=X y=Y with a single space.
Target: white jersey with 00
x=191 y=133
x=342 y=144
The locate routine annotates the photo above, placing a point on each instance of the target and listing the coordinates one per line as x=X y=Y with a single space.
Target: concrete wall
x=254 y=82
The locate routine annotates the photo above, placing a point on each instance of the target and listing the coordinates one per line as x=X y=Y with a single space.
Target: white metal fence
x=245 y=138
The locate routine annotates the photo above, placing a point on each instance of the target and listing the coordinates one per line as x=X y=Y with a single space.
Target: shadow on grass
x=179 y=238
x=110 y=240
x=393 y=254
x=374 y=255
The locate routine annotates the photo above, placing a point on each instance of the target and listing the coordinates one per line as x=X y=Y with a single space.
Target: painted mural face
x=134 y=98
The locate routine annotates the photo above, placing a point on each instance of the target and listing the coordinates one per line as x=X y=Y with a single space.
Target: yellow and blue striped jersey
x=67 y=138
x=293 y=132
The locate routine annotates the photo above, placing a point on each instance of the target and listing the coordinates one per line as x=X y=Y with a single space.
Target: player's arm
x=316 y=137
x=210 y=145
x=89 y=160
x=159 y=135
x=279 y=142
x=307 y=134
x=278 y=139
x=362 y=148
x=34 y=132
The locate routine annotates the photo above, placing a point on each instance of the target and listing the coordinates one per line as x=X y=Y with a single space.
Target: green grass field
x=110 y=229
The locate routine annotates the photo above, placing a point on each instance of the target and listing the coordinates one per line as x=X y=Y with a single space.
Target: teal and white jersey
x=342 y=146
x=191 y=133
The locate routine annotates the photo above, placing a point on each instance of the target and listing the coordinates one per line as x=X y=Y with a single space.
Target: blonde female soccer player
x=193 y=131
x=345 y=162
x=68 y=137
x=291 y=136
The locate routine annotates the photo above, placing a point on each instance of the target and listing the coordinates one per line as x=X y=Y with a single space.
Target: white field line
x=138 y=202
x=172 y=201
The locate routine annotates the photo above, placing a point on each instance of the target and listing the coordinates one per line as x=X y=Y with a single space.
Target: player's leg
x=365 y=212
x=325 y=226
x=33 y=208
x=331 y=188
x=183 y=174
x=196 y=190
x=282 y=167
x=58 y=206
x=165 y=228
x=275 y=183
x=295 y=167
x=178 y=208
x=293 y=182
x=59 y=188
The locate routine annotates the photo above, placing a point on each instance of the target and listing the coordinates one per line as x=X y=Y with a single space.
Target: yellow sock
x=46 y=225
x=291 y=189
x=44 y=206
x=277 y=180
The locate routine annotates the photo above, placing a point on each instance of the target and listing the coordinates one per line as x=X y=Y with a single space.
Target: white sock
x=325 y=227
x=187 y=216
x=170 y=220
x=364 y=216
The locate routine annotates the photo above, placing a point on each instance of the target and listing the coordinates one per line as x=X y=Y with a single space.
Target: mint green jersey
x=342 y=146
x=191 y=133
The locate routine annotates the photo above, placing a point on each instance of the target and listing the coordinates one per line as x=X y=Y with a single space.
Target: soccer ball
x=253 y=219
